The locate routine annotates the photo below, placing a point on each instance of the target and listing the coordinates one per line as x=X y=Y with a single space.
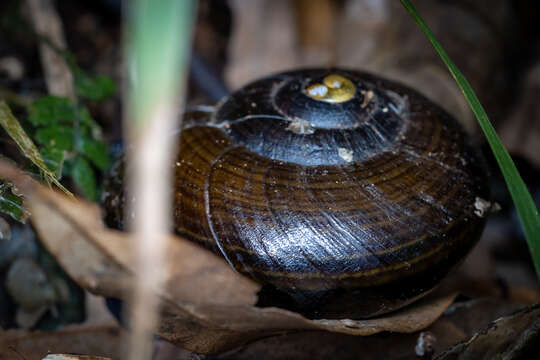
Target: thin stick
x=47 y=24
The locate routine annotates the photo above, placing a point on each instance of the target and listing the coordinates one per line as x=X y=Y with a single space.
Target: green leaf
x=93 y=87
x=55 y=137
x=54 y=159
x=528 y=214
x=84 y=177
x=87 y=122
x=25 y=144
x=96 y=151
x=12 y=204
x=51 y=110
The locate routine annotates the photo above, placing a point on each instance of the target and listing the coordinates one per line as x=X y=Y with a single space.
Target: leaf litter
x=206 y=306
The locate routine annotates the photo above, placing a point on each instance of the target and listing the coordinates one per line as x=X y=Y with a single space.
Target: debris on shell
x=317 y=91
x=483 y=207
x=399 y=104
x=346 y=154
x=301 y=126
x=368 y=95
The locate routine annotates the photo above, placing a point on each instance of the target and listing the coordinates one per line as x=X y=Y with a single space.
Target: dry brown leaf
x=98 y=256
x=234 y=326
x=74 y=357
x=206 y=307
x=96 y=340
x=461 y=321
x=511 y=337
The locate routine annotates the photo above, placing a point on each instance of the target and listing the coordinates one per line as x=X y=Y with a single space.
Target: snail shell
x=346 y=194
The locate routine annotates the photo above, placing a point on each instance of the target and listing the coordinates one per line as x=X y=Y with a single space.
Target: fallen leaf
x=459 y=323
x=511 y=337
x=234 y=326
x=36 y=345
x=73 y=232
x=206 y=306
x=73 y=357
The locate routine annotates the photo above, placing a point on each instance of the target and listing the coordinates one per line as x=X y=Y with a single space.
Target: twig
x=48 y=24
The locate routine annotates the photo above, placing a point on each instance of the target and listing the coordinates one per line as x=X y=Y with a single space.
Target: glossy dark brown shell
x=358 y=211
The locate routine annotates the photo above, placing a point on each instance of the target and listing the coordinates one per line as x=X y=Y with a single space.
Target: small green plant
x=64 y=141
x=70 y=141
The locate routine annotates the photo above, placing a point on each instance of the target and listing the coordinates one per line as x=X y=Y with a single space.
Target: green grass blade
x=158 y=35
x=528 y=214
x=159 y=42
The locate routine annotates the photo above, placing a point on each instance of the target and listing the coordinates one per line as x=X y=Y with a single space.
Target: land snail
x=346 y=195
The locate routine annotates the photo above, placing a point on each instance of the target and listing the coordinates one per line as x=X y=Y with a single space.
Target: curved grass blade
x=25 y=144
x=528 y=214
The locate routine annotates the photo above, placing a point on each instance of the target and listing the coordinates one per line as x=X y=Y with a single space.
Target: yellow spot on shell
x=334 y=89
